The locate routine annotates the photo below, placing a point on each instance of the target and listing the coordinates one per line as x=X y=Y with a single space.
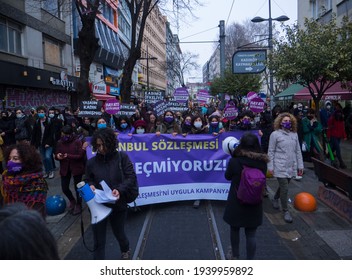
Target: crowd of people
x=32 y=144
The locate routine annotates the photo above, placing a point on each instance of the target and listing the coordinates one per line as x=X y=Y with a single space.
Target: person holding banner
x=116 y=169
x=151 y=123
x=124 y=126
x=199 y=126
x=215 y=126
x=169 y=124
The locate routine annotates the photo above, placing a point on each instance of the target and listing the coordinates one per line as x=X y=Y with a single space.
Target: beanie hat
x=141 y=123
x=327 y=102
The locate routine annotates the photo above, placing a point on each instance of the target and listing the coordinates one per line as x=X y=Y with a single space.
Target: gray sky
x=205 y=28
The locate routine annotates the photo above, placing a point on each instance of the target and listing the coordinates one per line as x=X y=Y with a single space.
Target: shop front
x=29 y=87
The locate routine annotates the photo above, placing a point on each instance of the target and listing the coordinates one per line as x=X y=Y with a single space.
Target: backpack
x=252 y=184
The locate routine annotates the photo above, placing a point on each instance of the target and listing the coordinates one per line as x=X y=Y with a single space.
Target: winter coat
x=106 y=167
x=169 y=128
x=237 y=214
x=284 y=152
x=311 y=134
x=23 y=128
x=75 y=161
x=336 y=128
x=48 y=137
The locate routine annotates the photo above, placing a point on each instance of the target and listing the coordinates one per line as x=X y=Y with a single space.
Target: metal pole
x=270 y=43
x=147 y=69
x=222 y=59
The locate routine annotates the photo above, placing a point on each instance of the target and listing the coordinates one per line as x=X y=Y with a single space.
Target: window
x=11 y=36
x=52 y=7
x=52 y=52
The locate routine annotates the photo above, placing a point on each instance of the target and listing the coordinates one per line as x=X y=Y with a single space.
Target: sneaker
x=297 y=177
x=276 y=203
x=51 y=175
x=45 y=175
x=126 y=255
x=196 y=204
x=72 y=205
x=287 y=217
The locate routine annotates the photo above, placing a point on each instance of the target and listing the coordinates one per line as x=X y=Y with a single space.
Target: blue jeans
x=46 y=154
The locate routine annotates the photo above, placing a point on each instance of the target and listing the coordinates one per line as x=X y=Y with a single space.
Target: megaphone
x=98 y=211
x=229 y=145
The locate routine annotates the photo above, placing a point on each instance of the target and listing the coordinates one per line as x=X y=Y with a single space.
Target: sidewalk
x=322 y=234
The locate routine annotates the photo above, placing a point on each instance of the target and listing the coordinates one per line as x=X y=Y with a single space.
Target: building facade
x=322 y=10
x=36 y=55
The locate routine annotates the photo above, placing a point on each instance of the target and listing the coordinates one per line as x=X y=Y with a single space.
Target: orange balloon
x=305 y=202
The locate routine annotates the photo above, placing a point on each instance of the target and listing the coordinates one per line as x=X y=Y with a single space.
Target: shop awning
x=336 y=92
x=289 y=92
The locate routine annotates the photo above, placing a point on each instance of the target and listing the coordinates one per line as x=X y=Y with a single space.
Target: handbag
x=304 y=146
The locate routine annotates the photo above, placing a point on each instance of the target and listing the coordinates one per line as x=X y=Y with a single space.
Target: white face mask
x=198 y=124
x=140 y=130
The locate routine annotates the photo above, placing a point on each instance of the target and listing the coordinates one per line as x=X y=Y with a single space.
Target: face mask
x=140 y=130
x=198 y=124
x=19 y=115
x=286 y=125
x=214 y=124
x=169 y=119
x=41 y=115
x=187 y=123
x=246 y=122
x=123 y=125
x=65 y=138
x=101 y=125
x=14 y=167
x=51 y=115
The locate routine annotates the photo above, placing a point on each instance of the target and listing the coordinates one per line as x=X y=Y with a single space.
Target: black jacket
x=237 y=214
x=106 y=167
x=48 y=137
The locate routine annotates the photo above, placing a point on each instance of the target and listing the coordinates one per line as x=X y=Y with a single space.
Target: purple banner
x=181 y=94
x=178 y=168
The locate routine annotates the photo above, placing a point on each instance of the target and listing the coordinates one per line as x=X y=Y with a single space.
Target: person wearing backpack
x=117 y=170
x=285 y=158
x=239 y=213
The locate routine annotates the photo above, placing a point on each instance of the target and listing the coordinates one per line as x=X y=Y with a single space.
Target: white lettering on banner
x=171 y=166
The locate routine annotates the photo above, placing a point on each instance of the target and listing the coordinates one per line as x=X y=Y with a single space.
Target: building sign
x=63 y=81
x=248 y=61
x=99 y=88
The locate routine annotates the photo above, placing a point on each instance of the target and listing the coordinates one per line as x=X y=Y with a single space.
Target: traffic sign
x=248 y=61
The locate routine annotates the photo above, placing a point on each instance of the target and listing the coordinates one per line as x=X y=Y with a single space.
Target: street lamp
x=270 y=46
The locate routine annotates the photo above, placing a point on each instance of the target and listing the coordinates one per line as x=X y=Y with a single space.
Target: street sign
x=248 y=61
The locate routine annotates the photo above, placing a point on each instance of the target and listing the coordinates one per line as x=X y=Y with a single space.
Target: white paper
x=105 y=195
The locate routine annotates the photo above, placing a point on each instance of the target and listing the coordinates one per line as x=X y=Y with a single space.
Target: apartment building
x=322 y=10
x=36 y=55
x=152 y=74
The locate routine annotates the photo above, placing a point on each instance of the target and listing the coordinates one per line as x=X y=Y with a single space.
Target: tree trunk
x=126 y=82
x=86 y=48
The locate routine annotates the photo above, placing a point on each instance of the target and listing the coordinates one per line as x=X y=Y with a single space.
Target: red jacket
x=336 y=128
x=75 y=161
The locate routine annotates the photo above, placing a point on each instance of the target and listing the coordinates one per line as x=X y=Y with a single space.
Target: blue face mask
x=41 y=115
x=123 y=125
x=101 y=125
